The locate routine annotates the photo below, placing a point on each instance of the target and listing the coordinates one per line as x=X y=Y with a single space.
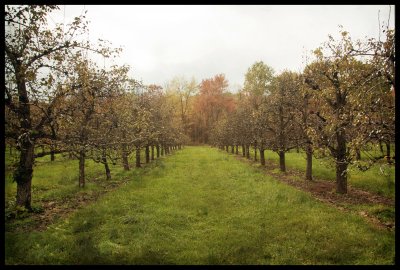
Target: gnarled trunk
x=106 y=167
x=23 y=175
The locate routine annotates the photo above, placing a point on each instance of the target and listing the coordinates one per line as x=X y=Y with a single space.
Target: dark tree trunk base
x=282 y=165
x=341 y=178
x=82 y=168
x=23 y=176
x=147 y=154
x=262 y=157
x=309 y=163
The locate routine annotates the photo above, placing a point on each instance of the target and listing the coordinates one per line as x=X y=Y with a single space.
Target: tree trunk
x=52 y=152
x=158 y=150
x=104 y=159
x=387 y=151
x=82 y=168
x=162 y=149
x=233 y=149
x=23 y=175
x=152 y=152
x=138 y=157
x=341 y=177
x=282 y=165
x=243 y=150
x=341 y=163
x=227 y=148
x=52 y=156
x=248 y=151
x=255 y=153
x=358 y=154
x=262 y=157
x=237 y=149
x=147 y=152
x=309 y=162
x=381 y=147
x=125 y=160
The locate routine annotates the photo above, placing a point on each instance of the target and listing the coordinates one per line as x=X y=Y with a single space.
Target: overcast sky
x=160 y=42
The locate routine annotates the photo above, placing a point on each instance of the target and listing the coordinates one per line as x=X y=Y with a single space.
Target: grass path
x=202 y=206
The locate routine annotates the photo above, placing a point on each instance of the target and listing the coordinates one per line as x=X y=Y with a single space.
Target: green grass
x=60 y=177
x=202 y=206
x=379 y=179
x=57 y=181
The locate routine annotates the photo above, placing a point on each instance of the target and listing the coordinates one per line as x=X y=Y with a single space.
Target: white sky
x=160 y=42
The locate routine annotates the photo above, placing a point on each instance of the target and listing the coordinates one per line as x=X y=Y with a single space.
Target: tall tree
x=211 y=103
x=281 y=112
x=340 y=85
x=184 y=91
x=30 y=47
x=257 y=84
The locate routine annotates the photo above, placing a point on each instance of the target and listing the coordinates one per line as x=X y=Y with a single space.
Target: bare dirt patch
x=324 y=191
x=54 y=210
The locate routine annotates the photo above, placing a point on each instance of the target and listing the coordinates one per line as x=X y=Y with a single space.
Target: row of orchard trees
x=341 y=102
x=56 y=96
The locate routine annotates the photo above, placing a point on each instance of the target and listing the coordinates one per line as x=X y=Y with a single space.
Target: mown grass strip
x=201 y=206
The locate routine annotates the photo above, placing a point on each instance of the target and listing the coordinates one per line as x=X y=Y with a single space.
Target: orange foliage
x=211 y=104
